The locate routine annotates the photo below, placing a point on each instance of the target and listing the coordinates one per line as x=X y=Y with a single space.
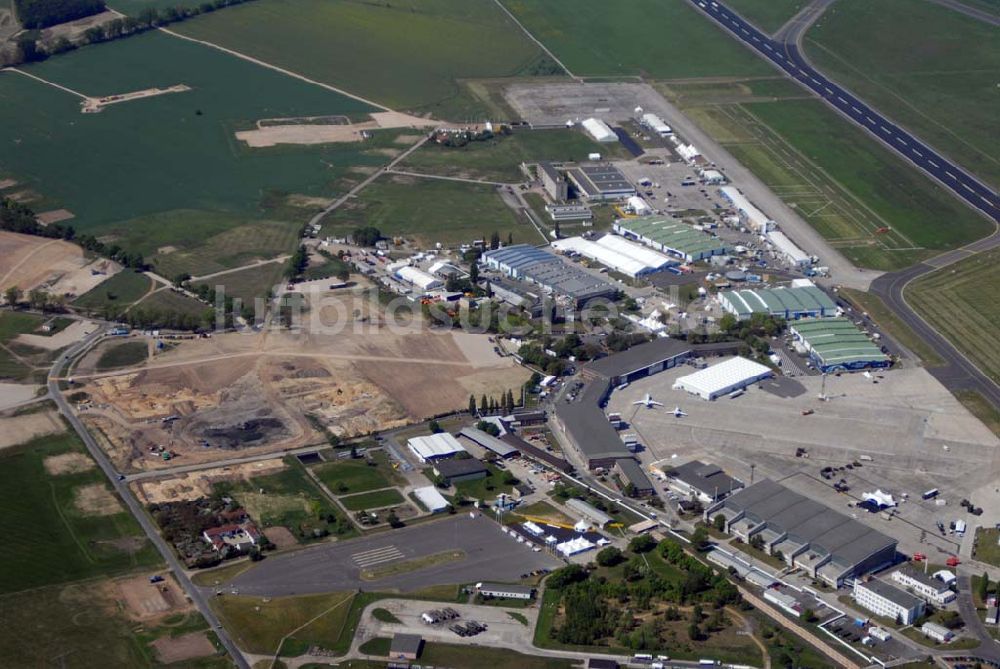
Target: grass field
x=768 y=15
x=289 y=499
x=500 y=158
x=78 y=625
x=170 y=301
x=19 y=367
x=929 y=67
x=962 y=302
x=350 y=476
x=371 y=500
x=47 y=538
x=893 y=326
x=875 y=208
x=392 y=53
x=180 y=176
x=987 y=547
x=486 y=488
x=249 y=283
x=120 y=290
x=686 y=93
x=430 y=211
x=981 y=408
x=659 y=39
x=125 y=354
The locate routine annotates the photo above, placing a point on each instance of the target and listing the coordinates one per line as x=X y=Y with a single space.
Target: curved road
x=121 y=487
x=787 y=57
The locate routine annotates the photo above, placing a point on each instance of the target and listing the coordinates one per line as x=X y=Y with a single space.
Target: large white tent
x=723 y=378
x=600 y=130
x=435 y=446
x=431 y=498
x=419 y=278
x=617 y=254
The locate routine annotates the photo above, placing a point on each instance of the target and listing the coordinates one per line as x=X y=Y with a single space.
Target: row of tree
x=34 y=14
x=490 y=405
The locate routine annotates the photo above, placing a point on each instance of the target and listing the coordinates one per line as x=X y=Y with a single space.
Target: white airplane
x=649 y=402
x=678 y=413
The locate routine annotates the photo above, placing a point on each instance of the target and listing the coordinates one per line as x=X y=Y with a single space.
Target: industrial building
x=599 y=130
x=705 y=483
x=689 y=152
x=569 y=212
x=554 y=182
x=583 y=422
x=836 y=344
x=544 y=269
x=712 y=177
x=418 y=278
x=630 y=473
x=656 y=124
x=435 y=447
x=405 y=647
x=588 y=512
x=505 y=591
x=672 y=237
x=787 y=248
x=824 y=543
x=432 y=500
x=788 y=303
x=456 y=470
x=485 y=440
x=785 y=602
x=616 y=254
x=601 y=182
x=723 y=378
x=928 y=588
x=753 y=218
x=888 y=601
x=939 y=633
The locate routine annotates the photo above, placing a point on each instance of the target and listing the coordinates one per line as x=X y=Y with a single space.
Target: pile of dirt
x=184 y=647
x=96 y=500
x=68 y=463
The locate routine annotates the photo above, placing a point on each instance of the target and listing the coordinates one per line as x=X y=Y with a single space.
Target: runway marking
x=950 y=174
x=932 y=163
x=842 y=99
x=901 y=141
x=967 y=187
x=829 y=91
x=377 y=556
x=917 y=153
x=855 y=109
x=885 y=130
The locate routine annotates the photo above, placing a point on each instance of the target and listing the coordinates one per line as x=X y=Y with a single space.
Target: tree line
x=30 y=49
x=34 y=14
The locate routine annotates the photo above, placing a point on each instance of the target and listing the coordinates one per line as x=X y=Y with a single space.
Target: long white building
x=599 y=130
x=888 y=601
x=723 y=378
x=656 y=124
x=418 y=278
x=616 y=254
x=755 y=219
x=788 y=248
x=928 y=588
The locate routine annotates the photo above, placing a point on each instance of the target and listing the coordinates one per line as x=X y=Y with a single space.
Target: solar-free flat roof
x=837 y=341
x=600 y=180
x=589 y=427
x=705 y=478
x=488 y=441
x=639 y=357
x=633 y=472
x=892 y=593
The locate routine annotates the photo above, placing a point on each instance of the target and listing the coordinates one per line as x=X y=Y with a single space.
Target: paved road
x=216 y=464
x=959 y=373
x=978 y=14
x=121 y=487
x=989 y=649
x=788 y=57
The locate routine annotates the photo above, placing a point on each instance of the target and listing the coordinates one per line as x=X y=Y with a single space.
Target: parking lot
x=915 y=433
x=500 y=629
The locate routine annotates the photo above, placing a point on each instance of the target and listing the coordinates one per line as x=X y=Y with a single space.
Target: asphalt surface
x=989 y=649
x=787 y=57
x=489 y=554
x=121 y=487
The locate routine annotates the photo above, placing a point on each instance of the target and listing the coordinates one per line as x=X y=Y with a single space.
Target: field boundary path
x=971 y=12
x=47 y=82
x=535 y=40
x=422 y=175
x=135 y=508
x=276 y=68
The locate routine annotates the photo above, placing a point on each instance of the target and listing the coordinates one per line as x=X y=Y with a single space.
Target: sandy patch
x=96 y=500
x=281 y=537
x=165 y=250
x=23 y=196
x=13 y=394
x=30 y=262
x=183 y=647
x=54 y=216
x=307 y=201
x=388 y=153
x=321 y=133
x=82 y=280
x=199 y=484
x=68 y=463
x=477 y=349
x=22 y=429
x=7 y=183
x=363 y=169
x=407 y=139
x=391 y=119
x=144 y=600
x=70 y=335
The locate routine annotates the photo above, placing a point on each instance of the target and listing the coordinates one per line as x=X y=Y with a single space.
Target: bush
x=609 y=557
x=642 y=544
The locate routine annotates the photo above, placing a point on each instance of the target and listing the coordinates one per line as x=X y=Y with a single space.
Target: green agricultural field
x=81 y=623
x=430 y=211
x=289 y=499
x=928 y=67
x=180 y=177
x=167 y=300
x=768 y=15
x=350 y=476
x=988 y=546
x=962 y=302
x=870 y=204
x=499 y=159
x=660 y=39
x=372 y=500
x=407 y=54
x=736 y=89
x=119 y=291
x=248 y=284
x=51 y=534
x=125 y=354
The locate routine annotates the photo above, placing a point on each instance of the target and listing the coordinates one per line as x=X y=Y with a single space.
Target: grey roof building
x=639 y=361
x=825 y=543
x=554 y=182
x=629 y=472
x=405 y=647
x=505 y=590
x=601 y=182
x=547 y=270
x=456 y=470
x=704 y=482
x=488 y=441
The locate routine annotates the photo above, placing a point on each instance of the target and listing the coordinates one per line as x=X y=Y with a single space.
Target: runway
x=787 y=56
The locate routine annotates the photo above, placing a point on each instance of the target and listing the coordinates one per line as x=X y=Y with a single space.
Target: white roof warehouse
x=723 y=378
